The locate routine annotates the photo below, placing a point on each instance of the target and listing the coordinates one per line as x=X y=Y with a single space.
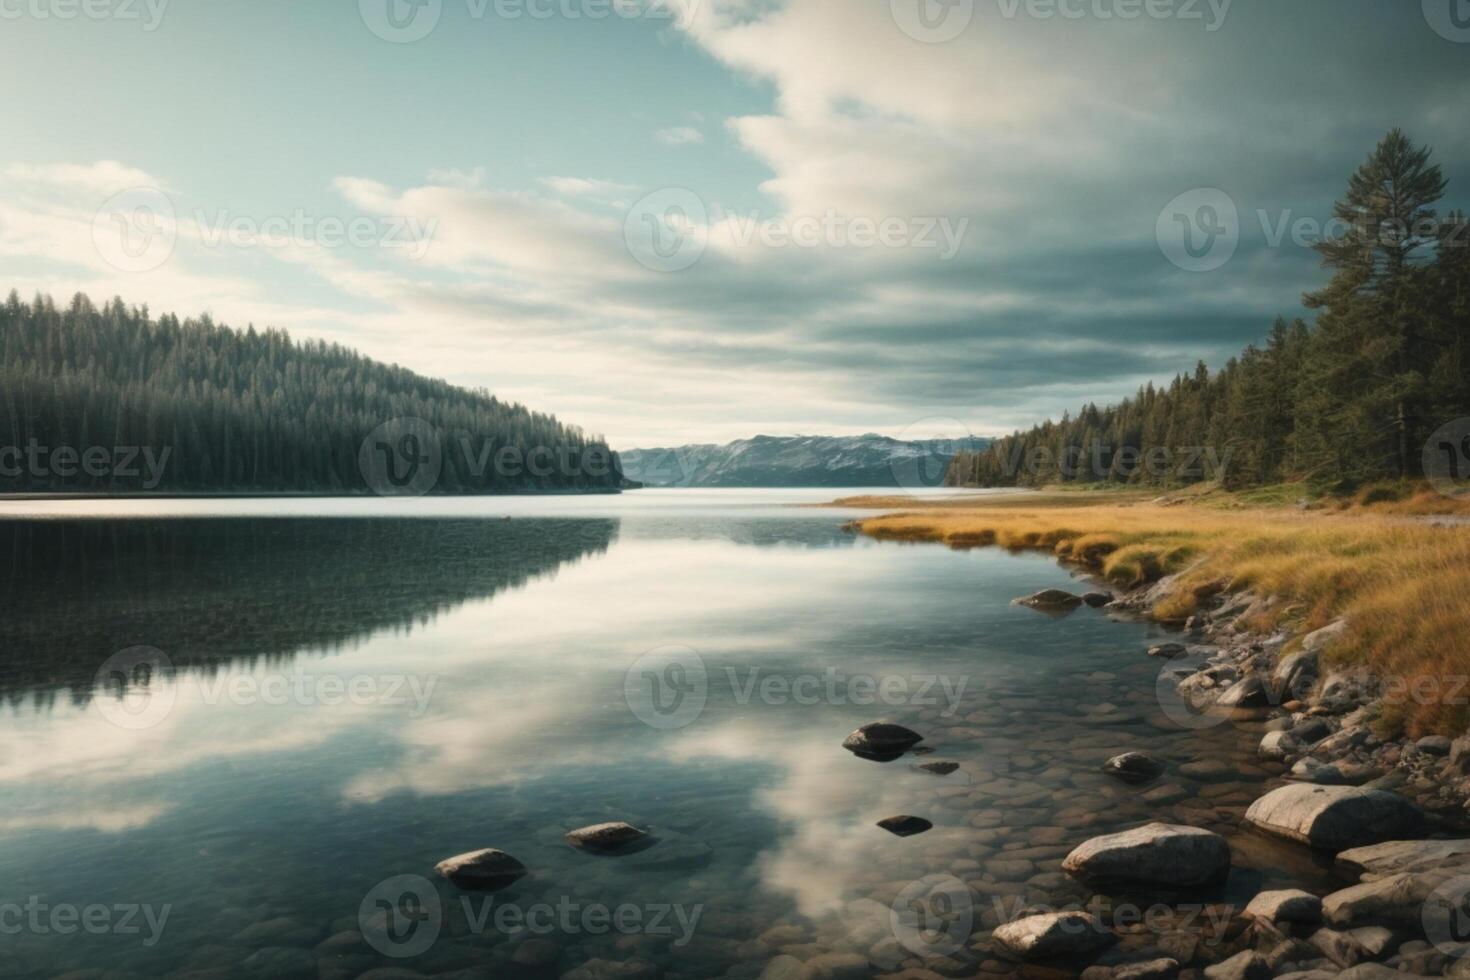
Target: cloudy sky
x=697 y=220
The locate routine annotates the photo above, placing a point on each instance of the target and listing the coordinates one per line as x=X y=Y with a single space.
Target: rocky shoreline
x=1388 y=813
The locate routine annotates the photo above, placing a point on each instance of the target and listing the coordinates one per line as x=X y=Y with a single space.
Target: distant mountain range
x=798 y=461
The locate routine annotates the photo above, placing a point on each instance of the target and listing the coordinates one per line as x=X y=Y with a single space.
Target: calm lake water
x=238 y=736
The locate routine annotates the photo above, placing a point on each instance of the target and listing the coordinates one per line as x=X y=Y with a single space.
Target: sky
x=676 y=221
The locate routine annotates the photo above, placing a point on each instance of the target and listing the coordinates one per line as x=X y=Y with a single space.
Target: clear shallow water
x=351 y=697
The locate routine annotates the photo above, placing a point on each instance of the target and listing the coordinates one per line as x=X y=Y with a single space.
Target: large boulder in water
x=1155 y=854
x=882 y=740
x=484 y=870
x=1335 y=818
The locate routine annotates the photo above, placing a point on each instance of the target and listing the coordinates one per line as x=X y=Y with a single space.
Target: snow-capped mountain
x=798 y=461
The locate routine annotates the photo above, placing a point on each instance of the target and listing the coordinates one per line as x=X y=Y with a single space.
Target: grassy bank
x=1403 y=584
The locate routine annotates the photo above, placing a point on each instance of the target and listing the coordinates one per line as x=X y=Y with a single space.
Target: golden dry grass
x=1403 y=583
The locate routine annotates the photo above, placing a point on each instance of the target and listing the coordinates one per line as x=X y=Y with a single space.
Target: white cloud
x=104 y=176
x=679 y=136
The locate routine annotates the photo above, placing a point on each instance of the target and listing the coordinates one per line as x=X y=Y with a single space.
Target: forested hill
x=1379 y=384
x=111 y=400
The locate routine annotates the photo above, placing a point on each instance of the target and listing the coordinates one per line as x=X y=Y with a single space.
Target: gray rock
x=1399 y=856
x=1317 y=640
x=612 y=836
x=484 y=870
x=1133 y=767
x=1396 y=899
x=1339 y=947
x=1335 y=818
x=600 y=969
x=1377 y=971
x=1050 y=600
x=1155 y=854
x=1278 y=745
x=1374 y=940
x=1160 y=969
x=938 y=768
x=1052 y=936
x=905 y=825
x=1097 y=599
x=1168 y=651
x=882 y=738
x=1248 y=692
x=1434 y=745
x=1295 y=675
x=1242 y=966
x=1460 y=753
x=839 y=966
x=1311 y=731
x=1287 y=905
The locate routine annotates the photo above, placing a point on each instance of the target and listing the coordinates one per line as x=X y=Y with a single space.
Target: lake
x=239 y=735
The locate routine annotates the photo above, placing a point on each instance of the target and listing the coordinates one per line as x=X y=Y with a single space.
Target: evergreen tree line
x=112 y=400
x=1348 y=400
